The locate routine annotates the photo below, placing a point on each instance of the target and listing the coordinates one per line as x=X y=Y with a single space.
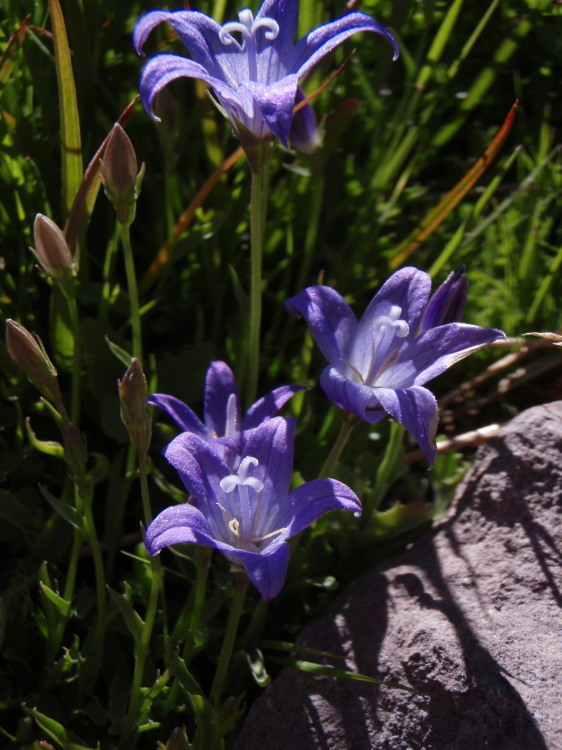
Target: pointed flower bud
x=52 y=251
x=133 y=394
x=178 y=740
x=447 y=303
x=29 y=353
x=120 y=175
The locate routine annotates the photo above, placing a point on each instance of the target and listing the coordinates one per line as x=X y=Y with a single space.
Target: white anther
x=248 y=28
x=231 y=415
x=230 y=482
x=392 y=320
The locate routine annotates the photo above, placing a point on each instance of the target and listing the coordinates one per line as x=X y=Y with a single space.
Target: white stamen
x=247 y=27
x=231 y=415
x=392 y=320
x=230 y=482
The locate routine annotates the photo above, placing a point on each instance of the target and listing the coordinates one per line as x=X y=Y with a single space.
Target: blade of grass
x=7 y=59
x=437 y=215
x=71 y=145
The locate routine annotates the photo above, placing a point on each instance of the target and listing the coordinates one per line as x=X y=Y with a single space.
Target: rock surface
x=470 y=616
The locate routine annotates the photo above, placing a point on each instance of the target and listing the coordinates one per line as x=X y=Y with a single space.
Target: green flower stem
x=133 y=290
x=387 y=472
x=240 y=586
x=76 y=359
x=141 y=653
x=145 y=494
x=143 y=644
x=348 y=423
x=86 y=501
x=258 y=212
x=203 y=557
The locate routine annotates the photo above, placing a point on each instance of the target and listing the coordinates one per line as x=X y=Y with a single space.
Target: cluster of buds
x=133 y=395
x=120 y=175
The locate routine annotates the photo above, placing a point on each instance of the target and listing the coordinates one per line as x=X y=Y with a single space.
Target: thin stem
x=258 y=211
x=240 y=586
x=142 y=646
x=133 y=290
x=142 y=651
x=76 y=359
x=98 y=566
x=145 y=495
x=348 y=423
x=387 y=472
x=203 y=557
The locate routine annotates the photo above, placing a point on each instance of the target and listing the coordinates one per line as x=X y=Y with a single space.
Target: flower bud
x=28 y=352
x=120 y=175
x=133 y=395
x=52 y=251
x=178 y=740
x=447 y=303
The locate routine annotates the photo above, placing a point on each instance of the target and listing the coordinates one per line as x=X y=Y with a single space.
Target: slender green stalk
x=142 y=647
x=93 y=541
x=133 y=290
x=240 y=586
x=141 y=653
x=258 y=211
x=76 y=359
x=387 y=472
x=145 y=495
x=348 y=423
x=203 y=556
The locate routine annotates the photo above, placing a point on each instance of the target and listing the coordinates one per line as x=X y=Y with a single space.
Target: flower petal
x=221 y=417
x=161 y=70
x=416 y=409
x=275 y=101
x=187 y=420
x=351 y=396
x=267 y=406
x=304 y=134
x=199 y=466
x=266 y=570
x=311 y=500
x=439 y=348
x=319 y=42
x=197 y=31
x=407 y=289
x=179 y=523
x=272 y=444
x=330 y=319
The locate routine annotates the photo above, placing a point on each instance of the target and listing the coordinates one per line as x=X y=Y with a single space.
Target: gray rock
x=470 y=616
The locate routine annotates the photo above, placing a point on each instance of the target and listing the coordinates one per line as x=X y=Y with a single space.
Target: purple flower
x=252 y=65
x=404 y=339
x=247 y=514
x=222 y=418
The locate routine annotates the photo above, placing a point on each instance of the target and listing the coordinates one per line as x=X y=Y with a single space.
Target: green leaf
x=68 y=512
x=55 y=730
x=342 y=674
x=133 y=620
x=7 y=59
x=120 y=353
x=48 y=447
x=71 y=145
x=62 y=337
x=62 y=605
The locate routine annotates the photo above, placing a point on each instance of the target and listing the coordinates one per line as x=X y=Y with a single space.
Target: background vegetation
x=397 y=138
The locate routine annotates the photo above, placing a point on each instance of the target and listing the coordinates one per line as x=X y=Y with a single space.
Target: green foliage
x=76 y=588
